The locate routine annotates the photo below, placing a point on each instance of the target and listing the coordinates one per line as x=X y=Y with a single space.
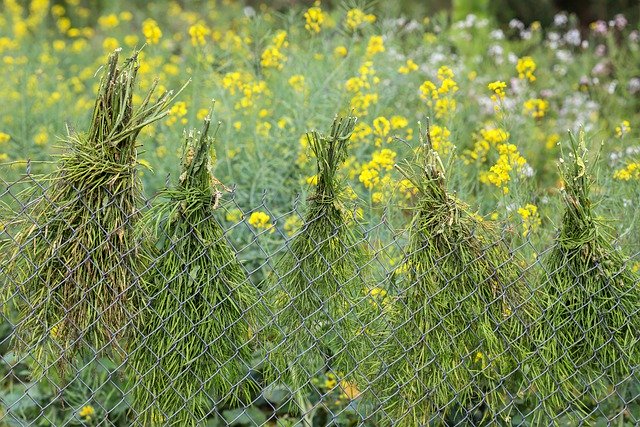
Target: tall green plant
x=461 y=312
x=73 y=267
x=324 y=319
x=193 y=349
x=588 y=331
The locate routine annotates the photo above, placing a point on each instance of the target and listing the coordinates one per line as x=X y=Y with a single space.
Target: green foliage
x=324 y=319
x=461 y=311
x=73 y=257
x=588 y=331
x=193 y=346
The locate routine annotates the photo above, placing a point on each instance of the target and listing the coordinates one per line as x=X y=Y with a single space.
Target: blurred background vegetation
x=502 y=11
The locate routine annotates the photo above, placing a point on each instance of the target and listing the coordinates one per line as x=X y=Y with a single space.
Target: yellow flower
x=263 y=129
x=448 y=85
x=381 y=127
x=530 y=218
x=498 y=88
x=261 y=220
x=272 y=57
x=315 y=18
x=399 y=122
x=440 y=139
x=297 y=82
x=198 y=32
x=41 y=138
x=202 y=114
x=630 y=171
x=623 y=129
x=536 y=107
x=445 y=72
x=383 y=159
x=525 y=68
x=369 y=177
x=108 y=22
x=126 y=16
x=500 y=173
x=445 y=107
x=177 y=111
x=408 y=67
x=428 y=90
x=87 y=412
x=110 y=44
x=340 y=51
x=4 y=137
x=151 y=31
x=375 y=45
x=356 y=18
x=552 y=141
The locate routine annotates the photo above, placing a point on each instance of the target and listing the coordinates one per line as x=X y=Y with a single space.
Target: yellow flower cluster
x=441 y=98
x=314 y=18
x=530 y=218
x=629 y=172
x=623 y=128
x=261 y=221
x=488 y=137
x=509 y=161
x=362 y=89
x=357 y=18
x=4 y=137
x=552 y=140
x=373 y=175
x=408 y=67
x=297 y=82
x=381 y=129
x=340 y=51
x=525 y=68
x=178 y=111
x=440 y=140
x=243 y=83
x=272 y=57
x=198 y=32
x=375 y=46
x=108 y=22
x=151 y=31
x=497 y=88
x=87 y=412
x=536 y=107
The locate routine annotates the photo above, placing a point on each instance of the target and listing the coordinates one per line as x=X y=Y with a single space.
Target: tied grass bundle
x=324 y=319
x=456 y=334
x=589 y=325
x=193 y=349
x=75 y=257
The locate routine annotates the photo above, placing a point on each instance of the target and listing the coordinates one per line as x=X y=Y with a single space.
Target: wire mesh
x=95 y=385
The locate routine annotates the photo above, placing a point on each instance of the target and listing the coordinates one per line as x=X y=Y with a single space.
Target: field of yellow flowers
x=498 y=102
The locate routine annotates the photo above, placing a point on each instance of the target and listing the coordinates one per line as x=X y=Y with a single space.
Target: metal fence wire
x=219 y=322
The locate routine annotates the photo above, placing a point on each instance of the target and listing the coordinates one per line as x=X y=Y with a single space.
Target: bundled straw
x=322 y=319
x=589 y=326
x=74 y=265
x=193 y=346
x=454 y=341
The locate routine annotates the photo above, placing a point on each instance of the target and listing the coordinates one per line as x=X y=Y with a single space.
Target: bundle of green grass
x=194 y=342
x=461 y=312
x=73 y=267
x=324 y=319
x=588 y=329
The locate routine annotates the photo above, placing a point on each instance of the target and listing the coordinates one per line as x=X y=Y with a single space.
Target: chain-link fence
x=232 y=319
